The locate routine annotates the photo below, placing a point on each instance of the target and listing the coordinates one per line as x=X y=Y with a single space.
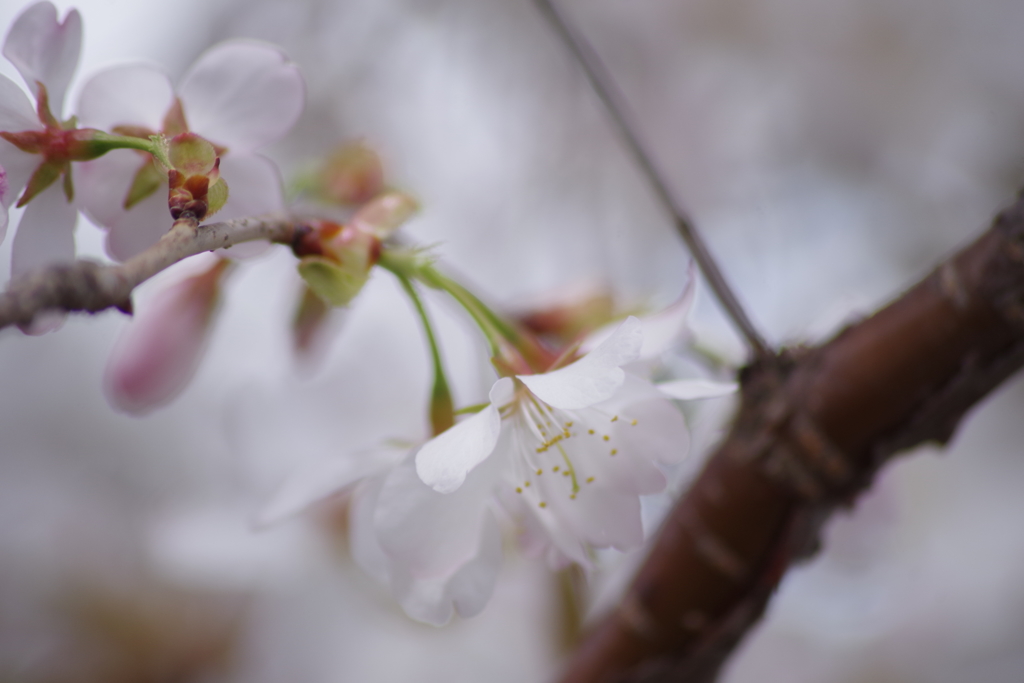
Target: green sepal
x=216 y=197
x=331 y=282
x=148 y=179
x=44 y=176
x=191 y=154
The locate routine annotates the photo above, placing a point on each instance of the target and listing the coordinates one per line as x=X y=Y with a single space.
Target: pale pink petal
x=132 y=94
x=692 y=389
x=599 y=515
x=543 y=537
x=465 y=592
x=17 y=113
x=254 y=187
x=593 y=378
x=18 y=167
x=159 y=351
x=660 y=432
x=46 y=232
x=444 y=461
x=242 y=95
x=366 y=549
x=617 y=463
x=140 y=227
x=431 y=534
x=321 y=479
x=45 y=50
x=102 y=185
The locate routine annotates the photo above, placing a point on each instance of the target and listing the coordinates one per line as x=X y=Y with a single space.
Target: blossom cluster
x=573 y=431
x=238 y=97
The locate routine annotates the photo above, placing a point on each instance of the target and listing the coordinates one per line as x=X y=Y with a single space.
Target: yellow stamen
x=606 y=437
x=590 y=480
x=615 y=451
x=519 y=489
x=615 y=418
x=542 y=504
x=633 y=423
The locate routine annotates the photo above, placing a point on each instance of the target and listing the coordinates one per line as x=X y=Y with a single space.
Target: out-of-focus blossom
x=45 y=52
x=160 y=350
x=352 y=175
x=239 y=95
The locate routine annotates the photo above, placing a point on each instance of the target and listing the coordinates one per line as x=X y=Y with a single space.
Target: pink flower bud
x=159 y=351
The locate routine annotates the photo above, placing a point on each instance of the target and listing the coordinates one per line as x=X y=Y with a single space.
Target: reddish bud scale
x=186 y=197
x=339 y=243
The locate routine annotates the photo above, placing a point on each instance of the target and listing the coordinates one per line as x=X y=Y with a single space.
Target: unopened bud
x=160 y=349
x=336 y=260
x=195 y=189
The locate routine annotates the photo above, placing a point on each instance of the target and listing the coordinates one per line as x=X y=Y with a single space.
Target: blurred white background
x=831 y=152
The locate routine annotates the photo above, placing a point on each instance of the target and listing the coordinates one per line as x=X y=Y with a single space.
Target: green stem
x=154 y=145
x=442 y=413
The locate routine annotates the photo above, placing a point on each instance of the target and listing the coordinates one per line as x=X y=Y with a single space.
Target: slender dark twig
x=606 y=90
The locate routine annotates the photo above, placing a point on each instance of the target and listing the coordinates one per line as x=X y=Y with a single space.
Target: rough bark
x=813 y=427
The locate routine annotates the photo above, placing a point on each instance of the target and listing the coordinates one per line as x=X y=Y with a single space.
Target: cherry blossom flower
x=578 y=445
x=45 y=52
x=239 y=95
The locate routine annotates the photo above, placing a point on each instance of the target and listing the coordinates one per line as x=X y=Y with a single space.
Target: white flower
x=239 y=95
x=578 y=446
x=44 y=51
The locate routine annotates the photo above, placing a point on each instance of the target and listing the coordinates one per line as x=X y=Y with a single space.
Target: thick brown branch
x=813 y=428
x=90 y=286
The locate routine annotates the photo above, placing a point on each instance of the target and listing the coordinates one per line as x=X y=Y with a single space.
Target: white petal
x=444 y=461
x=363 y=542
x=17 y=113
x=131 y=94
x=430 y=534
x=46 y=232
x=140 y=227
x=45 y=50
x=662 y=329
x=323 y=478
x=159 y=351
x=465 y=592
x=254 y=187
x=242 y=95
x=692 y=389
x=593 y=378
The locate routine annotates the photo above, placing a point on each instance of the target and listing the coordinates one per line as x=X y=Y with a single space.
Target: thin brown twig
x=92 y=287
x=615 y=103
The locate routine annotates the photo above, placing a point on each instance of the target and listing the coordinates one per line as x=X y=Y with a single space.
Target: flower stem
x=528 y=348
x=111 y=141
x=442 y=413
